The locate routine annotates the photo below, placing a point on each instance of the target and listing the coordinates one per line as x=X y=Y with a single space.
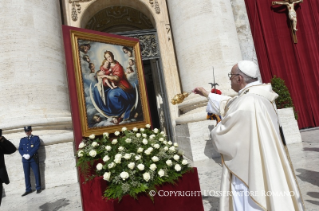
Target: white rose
x=184 y=162
x=152 y=136
x=157 y=146
x=140 y=150
x=172 y=149
x=131 y=165
x=111 y=165
x=135 y=129
x=176 y=144
x=117 y=133
x=124 y=175
x=138 y=157
x=108 y=148
x=177 y=167
x=95 y=144
x=150 y=149
x=117 y=160
x=148 y=125
x=165 y=149
x=153 y=167
x=106 y=134
x=99 y=166
x=170 y=143
x=106 y=158
x=114 y=141
x=161 y=173
x=169 y=162
x=145 y=141
x=106 y=176
x=161 y=139
x=147 y=152
x=80 y=153
x=155 y=159
x=142 y=129
x=124 y=129
x=81 y=145
x=165 y=142
x=120 y=148
x=155 y=130
x=127 y=156
x=176 y=157
x=146 y=176
x=118 y=156
x=92 y=136
x=140 y=167
x=92 y=153
x=163 y=133
x=138 y=135
x=128 y=140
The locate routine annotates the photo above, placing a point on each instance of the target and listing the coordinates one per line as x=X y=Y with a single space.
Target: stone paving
x=305 y=158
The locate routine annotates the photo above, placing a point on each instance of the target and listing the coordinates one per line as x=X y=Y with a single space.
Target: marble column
x=34 y=89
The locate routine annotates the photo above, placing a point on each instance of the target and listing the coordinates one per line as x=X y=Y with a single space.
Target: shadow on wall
x=42 y=157
x=54 y=206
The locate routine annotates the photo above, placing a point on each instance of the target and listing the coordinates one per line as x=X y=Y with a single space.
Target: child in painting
x=105 y=70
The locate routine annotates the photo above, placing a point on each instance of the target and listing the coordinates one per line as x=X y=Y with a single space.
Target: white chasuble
x=251 y=148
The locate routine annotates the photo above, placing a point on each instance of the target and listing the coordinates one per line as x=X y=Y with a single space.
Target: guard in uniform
x=28 y=149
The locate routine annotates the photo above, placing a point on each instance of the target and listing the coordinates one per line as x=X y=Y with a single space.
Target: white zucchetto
x=249 y=68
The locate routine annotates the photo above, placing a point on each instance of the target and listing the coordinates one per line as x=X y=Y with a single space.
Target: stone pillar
x=34 y=89
x=204 y=35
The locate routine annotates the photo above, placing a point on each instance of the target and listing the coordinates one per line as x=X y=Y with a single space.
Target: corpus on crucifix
x=291 y=10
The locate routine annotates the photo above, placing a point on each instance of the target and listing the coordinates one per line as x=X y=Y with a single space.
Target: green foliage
x=133 y=162
x=284 y=100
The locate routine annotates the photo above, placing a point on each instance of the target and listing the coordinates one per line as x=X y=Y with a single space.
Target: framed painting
x=106 y=81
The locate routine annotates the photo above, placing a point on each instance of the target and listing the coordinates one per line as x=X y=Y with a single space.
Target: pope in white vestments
x=256 y=173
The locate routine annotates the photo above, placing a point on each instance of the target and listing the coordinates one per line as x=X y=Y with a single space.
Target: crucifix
x=291 y=14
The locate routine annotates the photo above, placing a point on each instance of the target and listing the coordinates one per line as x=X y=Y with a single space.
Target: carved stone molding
x=168 y=30
x=149 y=45
x=76 y=8
x=155 y=4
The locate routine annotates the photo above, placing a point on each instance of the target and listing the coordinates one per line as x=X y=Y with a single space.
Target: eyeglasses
x=230 y=75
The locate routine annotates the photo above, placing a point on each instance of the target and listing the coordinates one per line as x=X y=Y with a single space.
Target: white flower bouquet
x=132 y=162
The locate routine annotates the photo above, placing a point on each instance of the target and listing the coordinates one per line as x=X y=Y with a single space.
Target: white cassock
x=255 y=165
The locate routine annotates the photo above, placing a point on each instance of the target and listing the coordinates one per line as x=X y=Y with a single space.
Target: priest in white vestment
x=256 y=173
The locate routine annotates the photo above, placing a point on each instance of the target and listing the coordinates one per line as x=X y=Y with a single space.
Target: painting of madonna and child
x=110 y=84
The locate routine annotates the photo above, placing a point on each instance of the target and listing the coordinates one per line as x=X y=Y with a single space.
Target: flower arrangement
x=132 y=162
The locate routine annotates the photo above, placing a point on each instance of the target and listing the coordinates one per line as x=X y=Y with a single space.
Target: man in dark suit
x=6 y=147
x=28 y=148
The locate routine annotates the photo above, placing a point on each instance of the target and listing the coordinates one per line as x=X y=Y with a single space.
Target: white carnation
x=142 y=129
x=106 y=158
x=155 y=130
x=146 y=176
x=95 y=144
x=161 y=139
x=176 y=157
x=138 y=157
x=152 y=136
x=140 y=167
x=108 y=148
x=155 y=159
x=128 y=140
x=169 y=162
x=80 y=153
x=163 y=133
x=161 y=173
x=120 y=148
x=148 y=126
x=92 y=136
x=124 y=175
x=117 y=133
x=145 y=141
x=135 y=129
x=99 y=166
x=172 y=149
x=106 y=176
x=184 y=162
x=106 y=134
x=176 y=144
x=127 y=156
x=117 y=160
x=153 y=167
x=92 y=153
x=114 y=141
x=157 y=146
x=131 y=165
x=138 y=135
x=165 y=142
x=165 y=149
x=124 y=129
x=81 y=145
x=150 y=149
x=140 y=150
x=169 y=143
x=177 y=167
x=147 y=152
x=118 y=156
x=144 y=135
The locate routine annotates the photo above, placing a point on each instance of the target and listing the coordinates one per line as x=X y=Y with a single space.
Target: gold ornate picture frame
x=107 y=73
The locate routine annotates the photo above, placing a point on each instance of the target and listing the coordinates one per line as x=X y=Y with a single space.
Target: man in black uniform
x=6 y=147
x=28 y=149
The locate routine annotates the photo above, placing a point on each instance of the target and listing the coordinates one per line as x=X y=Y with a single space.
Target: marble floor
x=305 y=158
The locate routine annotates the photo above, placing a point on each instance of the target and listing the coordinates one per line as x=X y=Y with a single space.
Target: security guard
x=28 y=149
